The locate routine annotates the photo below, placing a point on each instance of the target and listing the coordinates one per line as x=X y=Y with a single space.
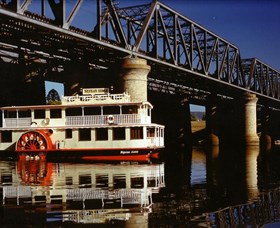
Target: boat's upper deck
x=81 y=110
x=90 y=97
x=96 y=96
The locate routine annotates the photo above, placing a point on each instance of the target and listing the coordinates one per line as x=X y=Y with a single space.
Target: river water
x=198 y=188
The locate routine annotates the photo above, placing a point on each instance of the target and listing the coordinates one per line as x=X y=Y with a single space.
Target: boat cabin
x=94 y=116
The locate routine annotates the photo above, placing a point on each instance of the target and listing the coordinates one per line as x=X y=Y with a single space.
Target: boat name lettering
x=95 y=91
x=129 y=152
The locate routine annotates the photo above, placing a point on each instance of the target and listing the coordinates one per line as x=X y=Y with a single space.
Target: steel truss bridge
x=186 y=58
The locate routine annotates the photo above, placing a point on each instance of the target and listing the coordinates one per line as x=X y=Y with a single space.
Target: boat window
x=39 y=114
x=85 y=134
x=85 y=181
x=10 y=114
x=92 y=111
x=150 y=132
x=137 y=182
x=101 y=181
x=73 y=112
x=68 y=133
x=151 y=182
x=69 y=180
x=6 y=136
x=107 y=110
x=119 y=181
x=6 y=179
x=118 y=133
x=101 y=134
x=55 y=113
x=136 y=133
x=129 y=109
x=161 y=132
x=24 y=113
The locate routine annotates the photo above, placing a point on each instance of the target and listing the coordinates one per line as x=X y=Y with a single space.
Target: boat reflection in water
x=85 y=193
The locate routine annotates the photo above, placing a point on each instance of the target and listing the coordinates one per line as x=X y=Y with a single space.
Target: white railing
x=96 y=99
x=82 y=120
x=17 y=122
x=107 y=119
x=129 y=196
x=16 y=191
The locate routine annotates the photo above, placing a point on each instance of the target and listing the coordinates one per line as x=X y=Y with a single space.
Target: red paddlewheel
x=33 y=141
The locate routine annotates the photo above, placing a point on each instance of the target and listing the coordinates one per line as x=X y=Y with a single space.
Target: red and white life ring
x=110 y=119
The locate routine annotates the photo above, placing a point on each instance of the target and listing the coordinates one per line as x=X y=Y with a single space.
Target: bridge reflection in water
x=222 y=188
x=212 y=188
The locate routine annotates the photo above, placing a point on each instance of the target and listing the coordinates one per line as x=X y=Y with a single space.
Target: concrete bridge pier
x=134 y=76
x=211 y=121
x=249 y=136
x=238 y=121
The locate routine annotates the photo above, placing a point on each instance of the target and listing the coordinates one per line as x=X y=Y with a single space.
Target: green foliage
x=193 y=118
x=53 y=98
x=54 y=103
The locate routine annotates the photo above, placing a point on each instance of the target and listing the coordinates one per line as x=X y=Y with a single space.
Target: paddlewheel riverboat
x=94 y=125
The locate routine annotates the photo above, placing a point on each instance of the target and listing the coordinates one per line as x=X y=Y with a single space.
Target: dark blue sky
x=251 y=25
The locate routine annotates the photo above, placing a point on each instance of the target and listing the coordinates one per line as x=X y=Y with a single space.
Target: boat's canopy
x=32 y=107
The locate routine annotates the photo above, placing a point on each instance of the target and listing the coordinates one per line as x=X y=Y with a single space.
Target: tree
x=53 y=97
x=193 y=118
x=203 y=117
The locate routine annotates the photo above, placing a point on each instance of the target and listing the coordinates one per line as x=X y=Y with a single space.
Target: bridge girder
x=170 y=42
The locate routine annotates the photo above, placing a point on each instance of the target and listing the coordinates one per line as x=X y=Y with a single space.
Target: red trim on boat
x=143 y=157
x=90 y=149
x=154 y=155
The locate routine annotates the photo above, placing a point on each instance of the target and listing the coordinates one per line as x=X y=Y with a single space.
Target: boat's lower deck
x=142 y=137
x=132 y=154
